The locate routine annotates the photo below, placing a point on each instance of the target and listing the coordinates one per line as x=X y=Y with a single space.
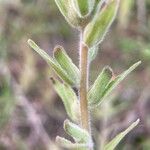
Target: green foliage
x=56 y=67
x=69 y=145
x=97 y=28
x=79 y=135
x=76 y=12
x=85 y=7
x=113 y=83
x=66 y=63
x=96 y=92
x=115 y=141
x=92 y=53
x=68 y=97
x=104 y=84
x=67 y=9
x=94 y=18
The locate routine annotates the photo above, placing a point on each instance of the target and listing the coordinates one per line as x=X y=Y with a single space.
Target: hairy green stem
x=84 y=86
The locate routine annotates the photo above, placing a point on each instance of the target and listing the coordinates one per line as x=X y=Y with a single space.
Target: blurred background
x=32 y=114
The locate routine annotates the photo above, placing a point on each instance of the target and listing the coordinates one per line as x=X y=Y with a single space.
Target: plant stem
x=84 y=86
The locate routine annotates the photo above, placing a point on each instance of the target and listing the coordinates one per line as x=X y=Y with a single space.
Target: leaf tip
x=109 y=70
x=29 y=40
x=32 y=44
x=139 y=62
x=57 y=49
x=137 y=122
x=133 y=125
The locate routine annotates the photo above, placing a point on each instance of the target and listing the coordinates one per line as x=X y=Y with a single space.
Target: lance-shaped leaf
x=66 y=63
x=112 y=144
x=97 y=28
x=85 y=7
x=69 y=145
x=79 y=135
x=113 y=83
x=96 y=92
x=56 y=67
x=68 y=97
x=69 y=12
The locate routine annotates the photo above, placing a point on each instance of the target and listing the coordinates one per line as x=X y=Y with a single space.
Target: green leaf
x=95 y=31
x=103 y=86
x=85 y=7
x=68 y=97
x=96 y=92
x=69 y=12
x=98 y=4
x=79 y=135
x=66 y=63
x=113 y=83
x=112 y=144
x=69 y=145
x=93 y=53
x=56 y=67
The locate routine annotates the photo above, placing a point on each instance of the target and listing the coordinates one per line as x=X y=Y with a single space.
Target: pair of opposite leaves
x=83 y=140
x=104 y=84
x=69 y=73
x=96 y=23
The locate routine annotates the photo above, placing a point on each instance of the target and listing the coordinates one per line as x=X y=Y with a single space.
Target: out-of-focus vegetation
x=31 y=113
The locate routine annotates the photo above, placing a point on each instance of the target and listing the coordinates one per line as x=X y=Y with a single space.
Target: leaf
x=112 y=144
x=113 y=83
x=85 y=7
x=95 y=31
x=68 y=11
x=96 y=92
x=97 y=95
x=66 y=63
x=68 y=97
x=56 y=67
x=79 y=135
x=69 y=145
x=98 y=4
x=93 y=53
